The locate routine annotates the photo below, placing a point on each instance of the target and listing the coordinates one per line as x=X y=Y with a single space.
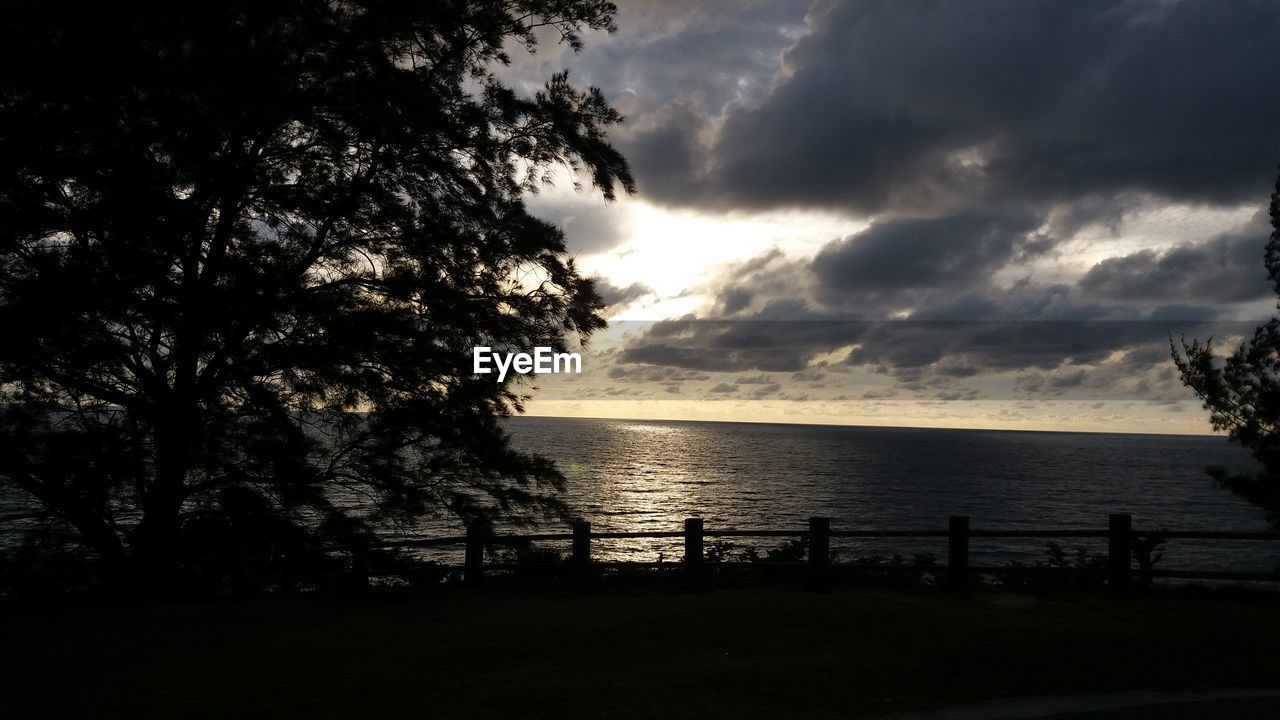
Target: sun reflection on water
x=643 y=476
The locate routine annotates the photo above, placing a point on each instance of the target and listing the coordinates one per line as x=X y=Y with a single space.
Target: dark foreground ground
x=743 y=653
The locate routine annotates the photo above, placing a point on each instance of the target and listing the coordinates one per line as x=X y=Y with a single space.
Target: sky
x=954 y=213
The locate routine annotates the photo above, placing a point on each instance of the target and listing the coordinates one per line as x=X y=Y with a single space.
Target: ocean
x=638 y=475
x=631 y=475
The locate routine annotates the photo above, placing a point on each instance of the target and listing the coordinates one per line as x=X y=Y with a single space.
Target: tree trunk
x=99 y=535
x=157 y=535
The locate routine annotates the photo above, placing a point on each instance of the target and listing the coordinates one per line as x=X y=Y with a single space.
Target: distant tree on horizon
x=1242 y=393
x=245 y=251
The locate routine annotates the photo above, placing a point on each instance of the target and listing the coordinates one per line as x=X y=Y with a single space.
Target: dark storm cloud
x=945 y=269
x=667 y=150
x=715 y=51
x=648 y=373
x=936 y=265
x=949 y=103
x=979 y=135
x=1226 y=269
x=671 y=68
x=948 y=251
x=734 y=299
x=614 y=296
x=673 y=53
x=952 y=349
x=1052 y=385
x=961 y=349
x=710 y=52
x=1116 y=320
x=955 y=360
x=810 y=376
x=736 y=346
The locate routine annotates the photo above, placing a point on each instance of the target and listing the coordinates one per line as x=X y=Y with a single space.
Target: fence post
x=582 y=552
x=473 y=560
x=693 y=547
x=1119 y=531
x=958 y=553
x=360 y=562
x=819 y=560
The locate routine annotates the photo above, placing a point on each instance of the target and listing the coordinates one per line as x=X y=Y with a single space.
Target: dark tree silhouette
x=246 y=248
x=1242 y=392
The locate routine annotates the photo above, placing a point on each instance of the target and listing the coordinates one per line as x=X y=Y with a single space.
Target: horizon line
x=877 y=427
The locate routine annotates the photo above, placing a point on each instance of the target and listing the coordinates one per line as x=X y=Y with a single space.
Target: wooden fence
x=357 y=567
x=956 y=573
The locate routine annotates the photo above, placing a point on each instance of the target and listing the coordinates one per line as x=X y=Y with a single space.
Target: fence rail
x=1118 y=572
x=957 y=572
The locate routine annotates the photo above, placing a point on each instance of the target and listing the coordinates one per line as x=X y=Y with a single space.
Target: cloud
x=666 y=375
x=916 y=300
x=1227 y=268
x=936 y=267
x=891 y=106
x=616 y=297
x=986 y=145
x=811 y=376
x=737 y=346
x=891 y=257
x=590 y=224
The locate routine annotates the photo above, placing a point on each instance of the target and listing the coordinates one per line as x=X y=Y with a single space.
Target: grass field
x=749 y=652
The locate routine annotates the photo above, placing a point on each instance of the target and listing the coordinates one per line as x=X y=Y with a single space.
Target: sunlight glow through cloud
x=676 y=252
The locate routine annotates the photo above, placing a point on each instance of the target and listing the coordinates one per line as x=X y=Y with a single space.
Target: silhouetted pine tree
x=246 y=248
x=1242 y=393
